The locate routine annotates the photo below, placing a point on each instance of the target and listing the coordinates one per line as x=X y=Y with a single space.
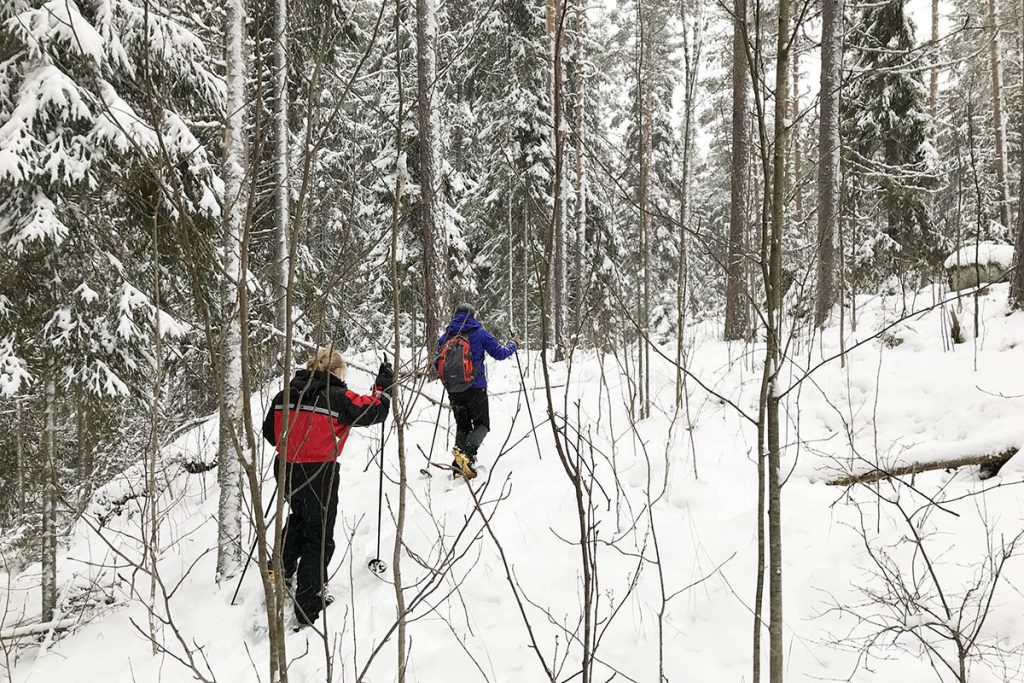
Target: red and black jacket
x=321 y=411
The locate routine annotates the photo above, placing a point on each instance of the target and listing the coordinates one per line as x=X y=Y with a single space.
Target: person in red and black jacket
x=321 y=411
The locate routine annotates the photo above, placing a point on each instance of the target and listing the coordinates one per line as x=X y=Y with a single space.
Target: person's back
x=465 y=379
x=321 y=410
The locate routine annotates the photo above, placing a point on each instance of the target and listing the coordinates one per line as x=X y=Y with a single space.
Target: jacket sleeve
x=496 y=350
x=359 y=410
x=269 y=430
x=437 y=353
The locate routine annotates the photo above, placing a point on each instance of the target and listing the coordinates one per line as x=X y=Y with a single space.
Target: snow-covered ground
x=907 y=390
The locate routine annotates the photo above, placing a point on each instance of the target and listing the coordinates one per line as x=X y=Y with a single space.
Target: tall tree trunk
x=396 y=398
x=645 y=125
x=933 y=81
x=229 y=510
x=435 y=246
x=774 y=350
x=19 y=453
x=581 y=169
x=828 y=156
x=281 y=185
x=797 y=154
x=554 y=11
x=692 y=43
x=49 y=540
x=737 y=320
x=1017 y=282
x=152 y=489
x=998 y=123
x=85 y=460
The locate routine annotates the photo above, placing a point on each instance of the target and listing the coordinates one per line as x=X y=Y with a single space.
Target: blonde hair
x=328 y=360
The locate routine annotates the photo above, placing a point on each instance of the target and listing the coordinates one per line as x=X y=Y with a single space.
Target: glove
x=516 y=339
x=385 y=378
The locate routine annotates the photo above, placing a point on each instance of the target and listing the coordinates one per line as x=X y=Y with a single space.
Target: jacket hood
x=463 y=323
x=311 y=381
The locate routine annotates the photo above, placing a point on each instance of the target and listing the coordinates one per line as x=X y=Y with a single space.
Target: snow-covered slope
x=906 y=390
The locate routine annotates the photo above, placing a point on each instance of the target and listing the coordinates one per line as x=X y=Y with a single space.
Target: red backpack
x=455 y=364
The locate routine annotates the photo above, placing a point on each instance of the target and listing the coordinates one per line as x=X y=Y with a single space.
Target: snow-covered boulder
x=978 y=264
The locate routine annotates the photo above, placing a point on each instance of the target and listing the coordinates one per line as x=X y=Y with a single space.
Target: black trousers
x=472 y=419
x=312 y=493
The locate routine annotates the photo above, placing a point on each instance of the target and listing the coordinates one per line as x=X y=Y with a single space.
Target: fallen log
x=879 y=474
x=36 y=629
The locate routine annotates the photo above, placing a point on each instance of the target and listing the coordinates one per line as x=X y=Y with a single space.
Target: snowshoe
x=463 y=465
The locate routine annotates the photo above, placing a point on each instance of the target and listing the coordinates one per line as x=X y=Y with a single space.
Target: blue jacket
x=480 y=340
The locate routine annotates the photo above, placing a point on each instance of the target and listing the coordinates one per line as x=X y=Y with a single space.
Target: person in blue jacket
x=466 y=382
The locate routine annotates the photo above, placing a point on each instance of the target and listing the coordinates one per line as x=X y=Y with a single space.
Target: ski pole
x=377 y=565
x=248 y=560
x=433 y=439
x=526 y=396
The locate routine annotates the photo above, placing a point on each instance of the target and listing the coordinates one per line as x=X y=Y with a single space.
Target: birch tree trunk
x=19 y=452
x=281 y=185
x=828 y=156
x=229 y=510
x=998 y=123
x=49 y=540
x=435 y=246
x=736 y=314
x=797 y=154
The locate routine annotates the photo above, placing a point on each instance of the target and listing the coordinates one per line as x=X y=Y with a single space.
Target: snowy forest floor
x=846 y=552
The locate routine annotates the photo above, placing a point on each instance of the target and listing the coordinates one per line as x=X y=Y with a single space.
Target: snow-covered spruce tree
x=81 y=133
x=888 y=143
x=972 y=152
x=504 y=156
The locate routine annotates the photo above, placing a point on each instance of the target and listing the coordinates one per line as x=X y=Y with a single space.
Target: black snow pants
x=312 y=491
x=472 y=419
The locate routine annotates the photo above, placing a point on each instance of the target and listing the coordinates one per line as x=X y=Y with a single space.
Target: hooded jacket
x=321 y=412
x=480 y=341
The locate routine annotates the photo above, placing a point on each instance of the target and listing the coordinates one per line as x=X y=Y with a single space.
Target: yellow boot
x=463 y=464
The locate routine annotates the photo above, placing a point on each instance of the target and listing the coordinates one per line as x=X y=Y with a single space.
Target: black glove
x=385 y=378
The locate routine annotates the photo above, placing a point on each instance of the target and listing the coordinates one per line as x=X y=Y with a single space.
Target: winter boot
x=463 y=465
x=271 y=574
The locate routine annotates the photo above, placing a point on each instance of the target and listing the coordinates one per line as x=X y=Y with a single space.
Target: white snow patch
x=983 y=253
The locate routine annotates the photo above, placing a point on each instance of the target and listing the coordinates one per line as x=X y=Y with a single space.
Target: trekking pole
x=256 y=540
x=526 y=396
x=430 y=457
x=377 y=565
